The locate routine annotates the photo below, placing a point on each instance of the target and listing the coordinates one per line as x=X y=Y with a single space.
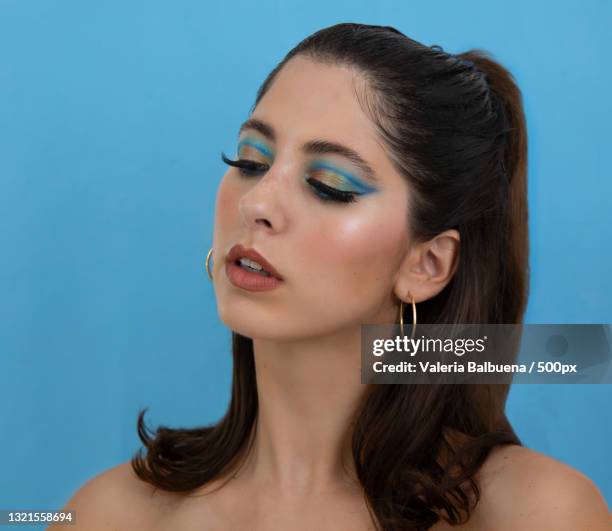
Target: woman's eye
x=247 y=168
x=327 y=193
x=251 y=168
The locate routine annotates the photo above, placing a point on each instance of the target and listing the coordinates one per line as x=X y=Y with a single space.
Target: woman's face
x=338 y=260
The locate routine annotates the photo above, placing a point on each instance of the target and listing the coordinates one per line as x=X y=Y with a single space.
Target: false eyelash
x=249 y=168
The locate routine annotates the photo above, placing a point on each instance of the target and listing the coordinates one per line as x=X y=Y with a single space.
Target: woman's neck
x=308 y=395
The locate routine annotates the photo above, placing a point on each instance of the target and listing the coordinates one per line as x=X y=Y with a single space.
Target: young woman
x=376 y=178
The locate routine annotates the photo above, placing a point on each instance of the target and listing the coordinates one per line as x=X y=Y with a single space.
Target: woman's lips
x=239 y=251
x=242 y=278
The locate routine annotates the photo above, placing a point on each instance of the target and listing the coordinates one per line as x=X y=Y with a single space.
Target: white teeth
x=251 y=264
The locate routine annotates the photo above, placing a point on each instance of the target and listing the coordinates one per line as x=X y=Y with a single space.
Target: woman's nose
x=262 y=207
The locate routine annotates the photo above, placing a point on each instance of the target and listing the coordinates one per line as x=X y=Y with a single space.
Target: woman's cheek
x=227 y=201
x=361 y=250
x=353 y=239
x=338 y=246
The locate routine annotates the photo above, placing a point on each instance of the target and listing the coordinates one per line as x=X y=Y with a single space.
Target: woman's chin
x=250 y=327
x=261 y=328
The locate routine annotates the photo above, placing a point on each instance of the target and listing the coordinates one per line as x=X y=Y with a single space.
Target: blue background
x=112 y=118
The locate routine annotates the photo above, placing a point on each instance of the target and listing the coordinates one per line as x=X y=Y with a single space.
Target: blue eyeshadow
x=257 y=145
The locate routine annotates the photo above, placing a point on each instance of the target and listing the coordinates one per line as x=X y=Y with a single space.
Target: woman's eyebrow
x=314 y=147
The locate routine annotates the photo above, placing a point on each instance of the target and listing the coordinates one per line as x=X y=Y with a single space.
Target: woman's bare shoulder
x=115 y=499
x=524 y=489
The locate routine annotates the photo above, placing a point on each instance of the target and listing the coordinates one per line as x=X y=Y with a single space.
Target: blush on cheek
x=359 y=248
x=357 y=239
x=324 y=256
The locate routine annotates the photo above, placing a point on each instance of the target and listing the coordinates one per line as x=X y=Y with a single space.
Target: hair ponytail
x=504 y=88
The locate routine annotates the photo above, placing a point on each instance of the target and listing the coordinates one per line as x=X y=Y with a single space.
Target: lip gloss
x=248 y=280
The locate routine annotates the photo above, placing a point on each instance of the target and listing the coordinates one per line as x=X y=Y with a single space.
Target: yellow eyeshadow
x=251 y=153
x=332 y=179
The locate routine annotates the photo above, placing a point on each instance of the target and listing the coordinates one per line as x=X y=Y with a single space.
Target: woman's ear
x=428 y=267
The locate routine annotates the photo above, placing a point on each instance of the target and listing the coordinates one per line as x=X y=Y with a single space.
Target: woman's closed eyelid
x=260 y=146
x=362 y=187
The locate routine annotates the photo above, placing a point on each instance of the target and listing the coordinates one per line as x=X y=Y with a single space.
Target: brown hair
x=454 y=127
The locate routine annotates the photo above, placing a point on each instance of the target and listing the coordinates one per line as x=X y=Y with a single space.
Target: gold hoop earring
x=208 y=263
x=414 y=317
